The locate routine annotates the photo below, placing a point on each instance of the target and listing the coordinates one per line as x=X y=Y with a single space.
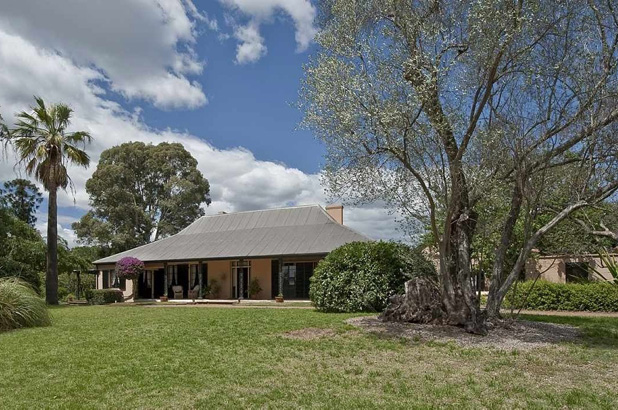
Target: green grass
x=191 y=357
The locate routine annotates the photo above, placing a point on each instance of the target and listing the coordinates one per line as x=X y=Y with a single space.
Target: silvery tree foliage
x=444 y=108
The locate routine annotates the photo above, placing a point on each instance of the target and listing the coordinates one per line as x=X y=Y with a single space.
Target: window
x=110 y=280
x=296 y=277
x=577 y=272
x=289 y=273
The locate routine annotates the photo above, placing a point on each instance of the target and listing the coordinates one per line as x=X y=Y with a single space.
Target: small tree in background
x=130 y=268
x=23 y=198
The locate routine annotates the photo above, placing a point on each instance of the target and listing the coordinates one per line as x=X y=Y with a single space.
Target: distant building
x=568 y=268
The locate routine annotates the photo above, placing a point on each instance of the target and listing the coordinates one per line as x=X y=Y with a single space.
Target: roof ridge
x=264 y=210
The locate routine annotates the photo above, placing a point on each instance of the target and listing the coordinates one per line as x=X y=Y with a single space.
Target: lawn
x=192 y=357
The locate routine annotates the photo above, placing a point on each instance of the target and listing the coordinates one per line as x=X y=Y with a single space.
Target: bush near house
x=20 y=306
x=104 y=296
x=594 y=297
x=254 y=288
x=362 y=276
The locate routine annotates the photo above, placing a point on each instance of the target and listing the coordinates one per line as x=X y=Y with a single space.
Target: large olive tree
x=439 y=106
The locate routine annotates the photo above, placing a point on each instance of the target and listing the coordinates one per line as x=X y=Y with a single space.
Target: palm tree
x=45 y=148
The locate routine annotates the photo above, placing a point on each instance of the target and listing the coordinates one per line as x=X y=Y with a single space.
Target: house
x=227 y=252
x=567 y=268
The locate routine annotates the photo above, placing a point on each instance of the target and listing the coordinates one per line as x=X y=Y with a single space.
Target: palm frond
x=76 y=156
x=62 y=116
x=78 y=137
x=41 y=144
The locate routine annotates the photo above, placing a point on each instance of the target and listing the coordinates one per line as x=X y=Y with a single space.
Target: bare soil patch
x=515 y=335
x=309 y=333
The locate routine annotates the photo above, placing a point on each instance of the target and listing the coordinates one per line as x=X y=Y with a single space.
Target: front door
x=241 y=283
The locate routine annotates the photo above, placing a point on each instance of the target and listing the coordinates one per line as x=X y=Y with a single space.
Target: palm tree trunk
x=51 y=277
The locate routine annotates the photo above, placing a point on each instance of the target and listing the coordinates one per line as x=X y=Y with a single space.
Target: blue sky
x=250 y=105
x=219 y=76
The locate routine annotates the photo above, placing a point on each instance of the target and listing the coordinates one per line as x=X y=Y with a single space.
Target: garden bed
x=512 y=335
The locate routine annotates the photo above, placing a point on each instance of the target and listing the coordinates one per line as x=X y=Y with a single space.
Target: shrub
x=254 y=287
x=594 y=297
x=129 y=268
x=214 y=289
x=362 y=276
x=105 y=296
x=20 y=306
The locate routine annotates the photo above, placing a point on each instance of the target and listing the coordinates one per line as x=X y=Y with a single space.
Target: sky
x=219 y=76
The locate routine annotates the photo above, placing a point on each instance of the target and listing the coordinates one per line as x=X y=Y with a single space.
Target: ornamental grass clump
x=20 y=306
x=130 y=268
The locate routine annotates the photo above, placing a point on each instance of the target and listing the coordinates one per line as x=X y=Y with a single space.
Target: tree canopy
x=467 y=116
x=23 y=198
x=140 y=193
x=22 y=249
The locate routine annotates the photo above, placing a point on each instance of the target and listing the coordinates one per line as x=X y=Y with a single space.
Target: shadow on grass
x=599 y=332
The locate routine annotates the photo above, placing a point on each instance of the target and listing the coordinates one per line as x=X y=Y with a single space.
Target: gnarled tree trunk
x=453 y=300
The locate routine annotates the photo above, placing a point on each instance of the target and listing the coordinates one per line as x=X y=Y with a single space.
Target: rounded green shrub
x=362 y=276
x=20 y=306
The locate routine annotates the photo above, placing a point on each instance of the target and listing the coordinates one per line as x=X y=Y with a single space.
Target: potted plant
x=254 y=288
x=215 y=289
x=163 y=298
x=130 y=268
x=279 y=298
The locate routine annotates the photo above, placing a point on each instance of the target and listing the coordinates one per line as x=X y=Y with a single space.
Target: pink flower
x=129 y=268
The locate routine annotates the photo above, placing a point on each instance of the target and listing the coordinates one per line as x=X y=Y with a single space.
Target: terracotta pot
x=163 y=298
x=279 y=299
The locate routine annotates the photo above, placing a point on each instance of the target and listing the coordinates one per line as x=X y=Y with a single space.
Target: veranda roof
x=301 y=230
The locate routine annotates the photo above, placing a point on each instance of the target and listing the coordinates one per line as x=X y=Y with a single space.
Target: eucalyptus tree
x=140 y=193
x=45 y=147
x=439 y=107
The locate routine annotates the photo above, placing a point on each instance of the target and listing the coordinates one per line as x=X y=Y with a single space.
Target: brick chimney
x=336 y=212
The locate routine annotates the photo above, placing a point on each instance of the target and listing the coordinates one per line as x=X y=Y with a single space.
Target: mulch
x=510 y=335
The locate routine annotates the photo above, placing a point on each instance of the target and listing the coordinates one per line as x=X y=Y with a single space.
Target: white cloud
x=142 y=48
x=251 y=44
x=64 y=229
x=239 y=181
x=251 y=47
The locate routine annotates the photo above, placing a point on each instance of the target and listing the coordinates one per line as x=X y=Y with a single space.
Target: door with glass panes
x=296 y=279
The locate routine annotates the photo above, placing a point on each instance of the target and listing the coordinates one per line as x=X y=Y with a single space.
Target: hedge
x=104 y=296
x=593 y=297
x=362 y=276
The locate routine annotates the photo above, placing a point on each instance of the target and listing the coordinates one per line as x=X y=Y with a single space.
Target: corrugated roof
x=302 y=230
